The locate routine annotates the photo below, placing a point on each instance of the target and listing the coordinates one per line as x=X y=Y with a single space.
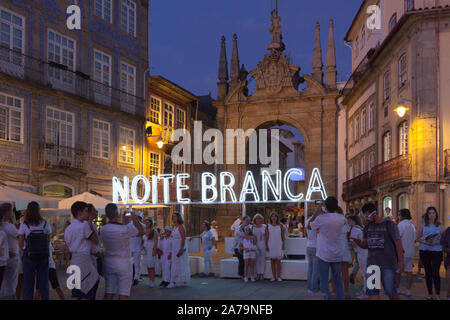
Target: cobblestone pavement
x=234 y=289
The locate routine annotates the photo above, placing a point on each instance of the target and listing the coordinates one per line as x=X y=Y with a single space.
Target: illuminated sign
x=222 y=189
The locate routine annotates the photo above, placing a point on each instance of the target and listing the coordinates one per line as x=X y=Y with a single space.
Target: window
x=128 y=22
x=402 y=71
x=168 y=115
x=392 y=22
x=387 y=86
x=371 y=115
x=102 y=73
x=100 y=139
x=352 y=132
x=363 y=164
x=387 y=204
x=55 y=190
x=11 y=118
x=409 y=5
x=12 y=29
x=126 y=145
x=61 y=50
x=357 y=169
x=358 y=128
x=127 y=78
x=155 y=110
x=364 y=122
x=178 y=168
x=403 y=201
x=403 y=138
x=60 y=128
x=103 y=9
x=154 y=163
x=181 y=119
x=371 y=160
x=350 y=172
x=387 y=146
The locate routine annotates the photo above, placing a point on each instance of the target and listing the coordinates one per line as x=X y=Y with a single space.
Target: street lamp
x=148 y=133
x=401 y=109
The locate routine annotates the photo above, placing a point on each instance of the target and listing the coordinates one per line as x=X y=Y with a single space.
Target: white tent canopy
x=22 y=198
x=98 y=202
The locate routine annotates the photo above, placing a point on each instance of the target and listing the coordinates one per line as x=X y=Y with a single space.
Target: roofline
x=354 y=20
x=175 y=86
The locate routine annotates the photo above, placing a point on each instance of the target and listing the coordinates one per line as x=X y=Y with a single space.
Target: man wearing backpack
x=34 y=237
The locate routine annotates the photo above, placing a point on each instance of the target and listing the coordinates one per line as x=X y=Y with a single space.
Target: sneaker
x=407 y=293
x=202 y=275
x=171 y=285
x=252 y=279
x=245 y=280
x=151 y=284
x=272 y=280
x=279 y=280
x=211 y=274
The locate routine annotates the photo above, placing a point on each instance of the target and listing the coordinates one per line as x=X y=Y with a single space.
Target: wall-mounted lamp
x=401 y=108
x=149 y=134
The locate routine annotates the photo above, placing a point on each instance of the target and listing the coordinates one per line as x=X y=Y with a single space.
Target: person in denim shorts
x=382 y=239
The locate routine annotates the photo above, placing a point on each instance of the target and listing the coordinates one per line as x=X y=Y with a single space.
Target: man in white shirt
x=8 y=289
x=235 y=225
x=118 y=268
x=136 y=248
x=328 y=224
x=79 y=237
x=408 y=237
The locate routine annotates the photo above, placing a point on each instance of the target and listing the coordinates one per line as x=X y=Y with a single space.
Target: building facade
x=398 y=123
x=72 y=113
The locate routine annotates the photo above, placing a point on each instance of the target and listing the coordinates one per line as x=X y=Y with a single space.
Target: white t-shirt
x=77 y=237
x=136 y=243
x=4 y=251
x=235 y=224
x=408 y=236
x=165 y=245
x=207 y=239
x=12 y=232
x=357 y=233
x=329 y=227
x=25 y=230
x=116 y=239
x=311 y=236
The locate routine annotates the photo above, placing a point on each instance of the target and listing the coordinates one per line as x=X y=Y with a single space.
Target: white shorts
x=408 y=264
x=118 y=273
x=249 y=255
x=149 y=261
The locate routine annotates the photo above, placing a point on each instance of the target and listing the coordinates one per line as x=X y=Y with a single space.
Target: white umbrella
x=53 y=212
x=98 y=202
x=22 y=198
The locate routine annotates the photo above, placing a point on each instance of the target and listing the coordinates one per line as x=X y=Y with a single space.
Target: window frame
x=101 y=140
x=22 y=118
x=103 y=10
x=412 y=5
x=178 y=112
x=170 y=112
x=386 y=135
x=134 y=146
x=110 y=67
x=153 y=110
x=59 y=120
x=403 y=144
x=402 y=74
x=128 y=23
x=23 y=29
x=387 y=85
x=152 y=164
x=134 y=78
x=392 y=20
x=67 y=38
x=371 y=117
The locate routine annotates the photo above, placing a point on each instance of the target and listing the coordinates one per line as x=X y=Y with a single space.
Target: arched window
x=387 y=146
x=392 y=22
x=58 y=190
x=403 y=134
x=387 y=85
x=403 y=201
x=387 y=203
x=402 y=71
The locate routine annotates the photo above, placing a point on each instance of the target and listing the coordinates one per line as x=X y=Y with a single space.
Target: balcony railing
x=447 y=163
x=393 y=170
x=54 y=156
x=57 y=76
x=357 y=187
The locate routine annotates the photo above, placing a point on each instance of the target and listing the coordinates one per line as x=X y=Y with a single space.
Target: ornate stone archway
x=312 y=111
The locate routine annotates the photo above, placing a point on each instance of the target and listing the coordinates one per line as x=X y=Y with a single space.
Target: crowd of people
x=113 y=252
x=335 y=242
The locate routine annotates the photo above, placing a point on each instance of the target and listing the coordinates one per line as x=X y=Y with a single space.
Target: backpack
x=37 y=246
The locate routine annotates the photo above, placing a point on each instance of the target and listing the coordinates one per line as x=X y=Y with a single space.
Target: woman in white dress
x=275 y=238
x=150 y=247
x=259 y=231
x=346 y=255
x=180 y=270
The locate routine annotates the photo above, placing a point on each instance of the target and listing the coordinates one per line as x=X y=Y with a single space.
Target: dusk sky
x=185 y=35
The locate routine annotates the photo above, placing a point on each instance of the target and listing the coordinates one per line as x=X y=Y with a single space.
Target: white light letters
x=209 y=186
x=182 y=187
x=275 y=188
x=287 y=188
x=316 y=185
x=249 y=187
x=134 y=185
x=224 y=187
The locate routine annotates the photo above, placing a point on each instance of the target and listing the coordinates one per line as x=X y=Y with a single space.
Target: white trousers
x=137 y=264
x=207 y=258
x=166 y=264
x=10 y=277
x=260 y=260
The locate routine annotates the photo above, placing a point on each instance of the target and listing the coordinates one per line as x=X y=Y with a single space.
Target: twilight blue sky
x=185 y=35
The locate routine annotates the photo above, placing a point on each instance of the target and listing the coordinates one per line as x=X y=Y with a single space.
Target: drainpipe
x=438 y=106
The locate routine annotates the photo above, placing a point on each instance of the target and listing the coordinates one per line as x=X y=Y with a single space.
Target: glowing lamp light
x=401 y=111
x=160 y=143
x=124 y=148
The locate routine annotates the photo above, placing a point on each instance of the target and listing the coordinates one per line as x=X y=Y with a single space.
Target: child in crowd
x=150 y=246
x=165 y=251
x=248 y=244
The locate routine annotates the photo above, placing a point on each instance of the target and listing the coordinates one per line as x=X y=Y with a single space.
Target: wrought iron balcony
x=447 y=163
x=59 y=77
x=53 y=156
x=357 y=187
x=395 y=170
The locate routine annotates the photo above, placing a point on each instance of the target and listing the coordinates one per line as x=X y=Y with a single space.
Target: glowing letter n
x=123 y=191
